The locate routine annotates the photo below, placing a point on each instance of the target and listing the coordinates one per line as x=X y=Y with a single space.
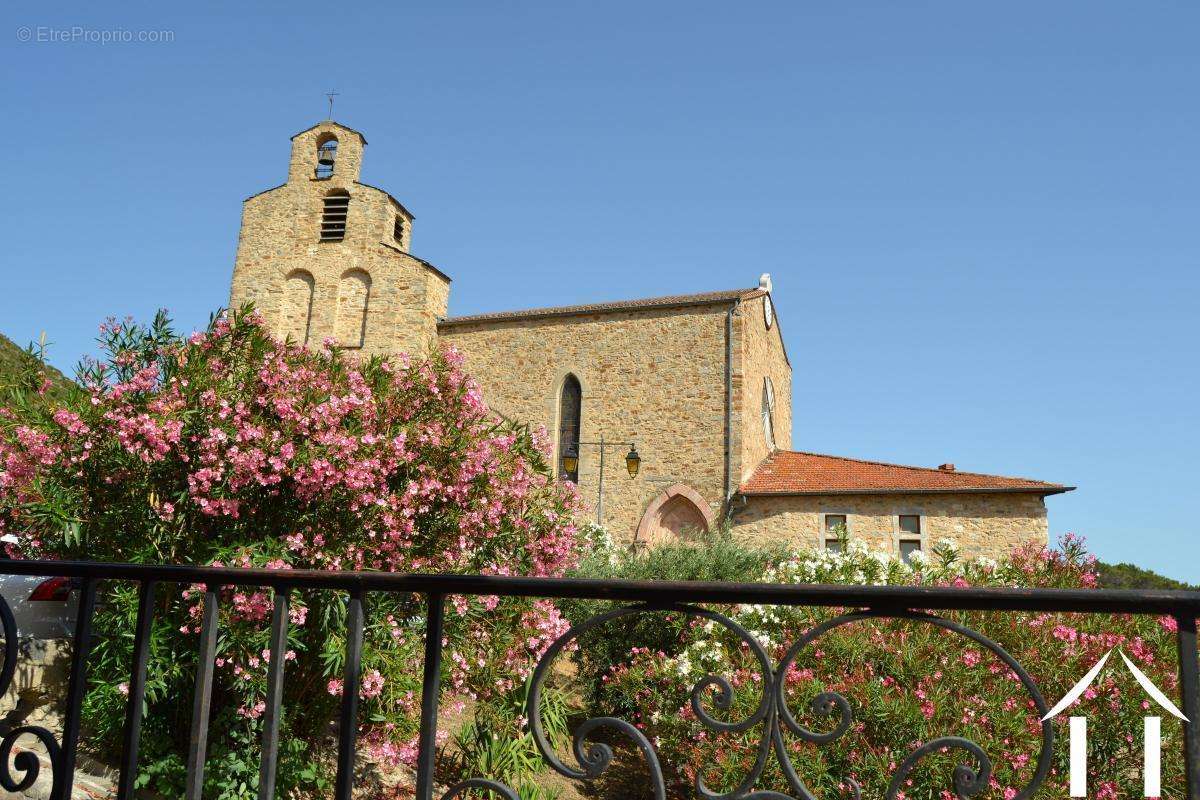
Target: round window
x=768 y=311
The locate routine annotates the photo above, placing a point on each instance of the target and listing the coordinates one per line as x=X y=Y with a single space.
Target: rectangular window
x=835 y=532
x=907 y=548
x=910 y=535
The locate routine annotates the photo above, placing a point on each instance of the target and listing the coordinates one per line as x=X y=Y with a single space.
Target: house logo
x=1152 y=733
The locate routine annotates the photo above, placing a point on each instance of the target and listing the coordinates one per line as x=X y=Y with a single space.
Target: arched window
x=354 y=297
x=326 y=156
x=398 y=230
x=296 y=316
x=768 y=412
x=570 y=412
x=333 y=216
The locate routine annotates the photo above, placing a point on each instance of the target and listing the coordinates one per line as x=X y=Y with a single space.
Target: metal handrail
x=906 y=602
x=1110 y=601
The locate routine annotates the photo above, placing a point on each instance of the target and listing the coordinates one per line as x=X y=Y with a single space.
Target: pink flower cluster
x=229 y=447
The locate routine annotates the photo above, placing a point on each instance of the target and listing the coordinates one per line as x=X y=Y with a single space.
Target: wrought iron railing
x=772 y=712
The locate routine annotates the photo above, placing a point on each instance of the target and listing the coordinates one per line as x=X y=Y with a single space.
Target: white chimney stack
x=764 y=281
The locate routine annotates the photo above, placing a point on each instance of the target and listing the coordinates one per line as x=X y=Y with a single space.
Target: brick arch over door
x=675 y=514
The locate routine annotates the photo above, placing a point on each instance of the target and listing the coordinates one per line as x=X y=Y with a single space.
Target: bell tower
x=326 y=257
x=327 y=151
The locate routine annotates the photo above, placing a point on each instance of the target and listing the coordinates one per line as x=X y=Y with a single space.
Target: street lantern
x=633 y=462
x=570 y=461
x=570 y=466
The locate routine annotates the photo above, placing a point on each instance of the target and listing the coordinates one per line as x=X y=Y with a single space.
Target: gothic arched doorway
x=678 y=513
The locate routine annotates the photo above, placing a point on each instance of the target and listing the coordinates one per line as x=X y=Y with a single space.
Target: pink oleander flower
x=228 y=447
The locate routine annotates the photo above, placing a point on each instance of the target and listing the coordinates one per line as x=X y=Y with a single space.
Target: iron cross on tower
x=331 y=94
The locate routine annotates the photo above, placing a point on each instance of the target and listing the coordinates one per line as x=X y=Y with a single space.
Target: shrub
x=715 y=557
x=907 y=682
x=231 y=448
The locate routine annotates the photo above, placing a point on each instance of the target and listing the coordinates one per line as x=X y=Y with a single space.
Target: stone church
x=697 y=386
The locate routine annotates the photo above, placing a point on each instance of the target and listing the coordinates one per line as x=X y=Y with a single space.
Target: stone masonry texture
x=983 y=524
x=653 y=376
x=368 y=273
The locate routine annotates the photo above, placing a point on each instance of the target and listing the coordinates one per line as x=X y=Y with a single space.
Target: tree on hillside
x=28 y=368
x=1130 y=576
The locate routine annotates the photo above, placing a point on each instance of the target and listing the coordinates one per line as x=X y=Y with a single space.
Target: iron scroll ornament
x=772 y=712
x=25 y=762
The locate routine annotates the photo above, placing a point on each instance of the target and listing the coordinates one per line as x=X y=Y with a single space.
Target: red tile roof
x=786 y=472
x=676 y=300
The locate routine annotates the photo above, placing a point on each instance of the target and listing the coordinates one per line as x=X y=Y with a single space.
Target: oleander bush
x=229 y=447
x=907 y=682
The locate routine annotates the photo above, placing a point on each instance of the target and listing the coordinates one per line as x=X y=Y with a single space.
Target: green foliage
x=228 y=447
x=25 y=370
x=907 y=682
x=1129 y=576
x=713 y=557
x=497 y=744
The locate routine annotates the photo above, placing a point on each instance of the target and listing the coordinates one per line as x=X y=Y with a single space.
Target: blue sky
x=981 y=219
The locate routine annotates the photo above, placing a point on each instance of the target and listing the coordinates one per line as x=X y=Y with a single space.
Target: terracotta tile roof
x=678 y=300
x=786 y=472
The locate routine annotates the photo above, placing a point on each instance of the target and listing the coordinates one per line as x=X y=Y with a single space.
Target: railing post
x=348 y=721
x=137 y=690
x=77 y=687
x=202 y=696
x=1189 y=688
x=274 y=701
x=430 y=689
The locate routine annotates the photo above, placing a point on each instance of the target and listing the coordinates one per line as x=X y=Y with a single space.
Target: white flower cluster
x=713 y=648
x=597 y=539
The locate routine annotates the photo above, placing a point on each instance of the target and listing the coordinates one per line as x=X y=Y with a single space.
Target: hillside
x=13 y=359
x=1128 y=576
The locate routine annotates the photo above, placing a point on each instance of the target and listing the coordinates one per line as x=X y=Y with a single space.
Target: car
x=42 y=606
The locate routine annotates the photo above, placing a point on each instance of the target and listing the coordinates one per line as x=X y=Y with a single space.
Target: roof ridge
x=934 y=470
x=634 y=302
x=335 y=122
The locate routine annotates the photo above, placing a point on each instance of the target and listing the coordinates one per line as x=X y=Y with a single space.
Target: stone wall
x=312 y=290
x=761 y=356
x=655 y=377
x=983 y=524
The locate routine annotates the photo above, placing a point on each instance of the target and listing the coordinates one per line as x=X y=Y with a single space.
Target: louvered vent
x=333 y=219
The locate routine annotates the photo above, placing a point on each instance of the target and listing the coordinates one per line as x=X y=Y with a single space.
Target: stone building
x=700 y=384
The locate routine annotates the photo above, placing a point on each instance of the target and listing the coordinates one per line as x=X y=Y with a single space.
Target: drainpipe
x=725 y=501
